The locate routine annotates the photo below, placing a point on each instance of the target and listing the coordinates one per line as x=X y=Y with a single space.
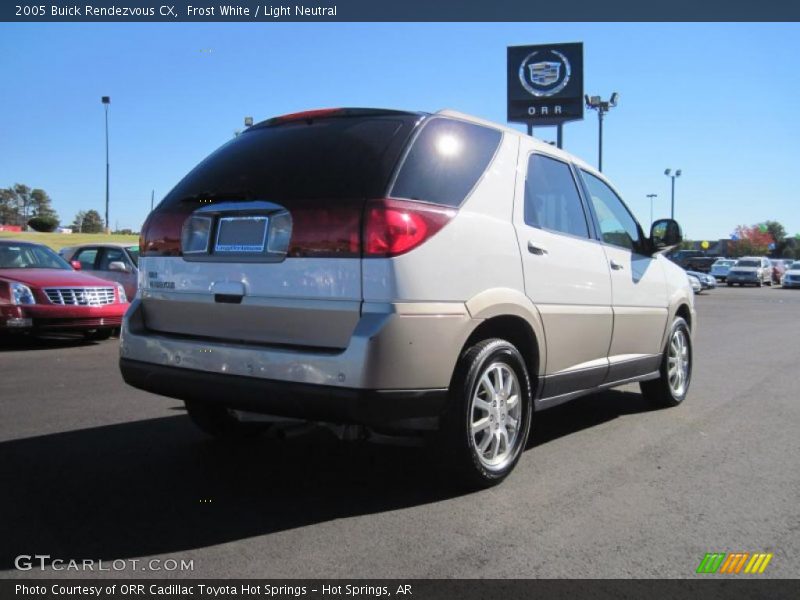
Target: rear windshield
x=446 y=161
x=748 y=263
x=331 y=158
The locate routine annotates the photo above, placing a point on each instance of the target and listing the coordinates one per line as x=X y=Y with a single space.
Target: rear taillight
x=321 y=231
x=393 y=227
x=161 y=232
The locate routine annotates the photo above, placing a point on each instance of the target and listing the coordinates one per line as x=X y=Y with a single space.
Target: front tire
x=675 y=373
x=221 y=422
x=489 y=417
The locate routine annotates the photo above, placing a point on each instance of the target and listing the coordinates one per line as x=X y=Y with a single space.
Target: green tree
x=42 y=204
x=43 y=223
x=92 y=222
x=776 y=230
x=19 y=203
x=8 y=210
x=77 y=222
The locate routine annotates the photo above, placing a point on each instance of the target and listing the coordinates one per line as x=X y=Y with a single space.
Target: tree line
x=24 y=206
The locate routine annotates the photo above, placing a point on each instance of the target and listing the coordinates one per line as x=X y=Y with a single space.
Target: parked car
x=791 y=278
x=697 y=287
x=750 y=270
x=40 y=292
x=111 y=261
x=695 y=260
x=393 y=270
x=720 y=268
x=708 y=282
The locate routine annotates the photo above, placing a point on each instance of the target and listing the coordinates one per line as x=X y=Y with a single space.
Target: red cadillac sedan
x=40 y=292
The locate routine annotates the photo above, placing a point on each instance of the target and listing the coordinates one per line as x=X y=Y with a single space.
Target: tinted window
x=86 y=257
x=446 y=161
x=617 y=225
x=551 y=197
x=332 y=158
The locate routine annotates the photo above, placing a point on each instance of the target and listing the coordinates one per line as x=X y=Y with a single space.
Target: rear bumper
x=389 y=409
x=397 y=365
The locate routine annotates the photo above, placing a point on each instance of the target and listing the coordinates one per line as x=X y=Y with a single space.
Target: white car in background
x=750 y=270
x=791 y=278
x=721 y=267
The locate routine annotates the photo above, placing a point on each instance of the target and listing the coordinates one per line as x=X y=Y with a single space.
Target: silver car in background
x=697 y=287
x=111 y=261
x=791 y=279
x=708 y=282
x=750 y=270
x=721 y=267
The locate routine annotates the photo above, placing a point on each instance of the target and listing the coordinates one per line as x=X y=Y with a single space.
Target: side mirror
x=665 y=234
x=76 y=264
x=119 y=266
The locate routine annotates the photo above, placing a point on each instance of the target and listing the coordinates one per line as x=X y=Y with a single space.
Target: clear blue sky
x=719 y=101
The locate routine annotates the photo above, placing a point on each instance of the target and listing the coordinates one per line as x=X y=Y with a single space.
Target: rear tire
x=220 y=422
x=675 y=373
x=489 y=417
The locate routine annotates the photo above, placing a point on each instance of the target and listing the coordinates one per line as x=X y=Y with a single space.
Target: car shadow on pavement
x=158 y=486
x=18 y=343
x=583 y=413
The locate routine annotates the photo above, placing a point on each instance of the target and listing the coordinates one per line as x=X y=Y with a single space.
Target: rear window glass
x=446 y=161
x=347 y=157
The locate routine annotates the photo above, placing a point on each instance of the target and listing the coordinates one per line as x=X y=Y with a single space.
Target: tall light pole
x=106 y=100
x=669 y=173
x=602 y=107
x=651 y=196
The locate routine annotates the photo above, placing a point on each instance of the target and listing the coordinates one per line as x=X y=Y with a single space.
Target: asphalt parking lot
x=92 y=469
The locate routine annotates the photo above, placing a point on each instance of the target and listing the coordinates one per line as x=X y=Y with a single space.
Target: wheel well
x=684 y=312
x=512 y=329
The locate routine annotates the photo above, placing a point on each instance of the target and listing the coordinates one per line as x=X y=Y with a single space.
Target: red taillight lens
x=161 y=232
x=393 y=227
x=323 y=231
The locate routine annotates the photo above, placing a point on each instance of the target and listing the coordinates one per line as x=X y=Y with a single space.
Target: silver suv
x=407 y=272
x=751 y=270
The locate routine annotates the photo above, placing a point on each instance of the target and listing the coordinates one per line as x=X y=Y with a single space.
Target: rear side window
x=551 y=197
x=319 y=159
x=445 y=162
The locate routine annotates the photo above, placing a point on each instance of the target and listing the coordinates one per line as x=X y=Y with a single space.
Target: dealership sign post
x=545 y=85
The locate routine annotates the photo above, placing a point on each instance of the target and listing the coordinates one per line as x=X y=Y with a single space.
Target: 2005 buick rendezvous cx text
x=409 y=272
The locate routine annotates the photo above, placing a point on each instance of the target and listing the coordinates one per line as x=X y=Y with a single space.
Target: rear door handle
x=616 y=266
x=537 y=250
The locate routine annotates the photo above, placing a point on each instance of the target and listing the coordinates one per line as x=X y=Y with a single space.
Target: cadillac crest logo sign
x=545 y=83
x=544 y=77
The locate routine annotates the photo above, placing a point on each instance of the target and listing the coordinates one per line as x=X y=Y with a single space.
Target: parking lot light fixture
x=669 y=173
x=106 y=100
x=602 y=107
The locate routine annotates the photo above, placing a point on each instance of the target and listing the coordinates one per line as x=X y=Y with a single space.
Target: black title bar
x=398 y=11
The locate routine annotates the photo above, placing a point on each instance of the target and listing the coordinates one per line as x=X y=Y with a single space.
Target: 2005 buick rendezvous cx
x=407 y=272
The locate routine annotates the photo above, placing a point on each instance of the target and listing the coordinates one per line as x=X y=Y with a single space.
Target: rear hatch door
x=261 y=242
